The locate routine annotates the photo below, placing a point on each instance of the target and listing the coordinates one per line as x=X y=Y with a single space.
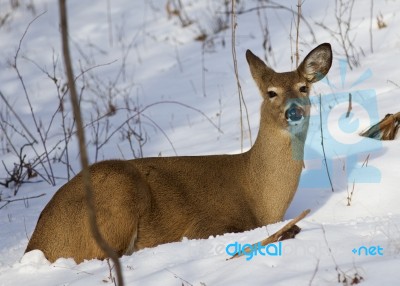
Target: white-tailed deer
x=146 y=202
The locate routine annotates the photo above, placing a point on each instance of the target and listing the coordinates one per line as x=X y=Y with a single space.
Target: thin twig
x=299 y=3
x=342 y=35
x=350 y=106
x=242 y=102
x=342 y=276
x=17 y=117
x=5 y=133
x=265 y=32
x=365 y=163
x=82 y=148
x=315 y=273
x=274 y=5
x=112 y=278
x=275 y=237
x=329 y=248
x=184 y=105
x=49 y=170
x=371 y=42
x=180 y=278
x=20 y=199
x=350 y=195
x=162 y=131
x=141 y=113
x=322 y=142
x=392 y=82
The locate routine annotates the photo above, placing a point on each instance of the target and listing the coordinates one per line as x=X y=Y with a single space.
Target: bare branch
x=83 y=154
x=274 y=5
x=350 y=106
x=371 y=41
x=299 y=3
x=314 y=273
x=322 y=142
x=275 y=237
x=240 y=92
x=20 y=199
x=17 y=117
x=49 y=170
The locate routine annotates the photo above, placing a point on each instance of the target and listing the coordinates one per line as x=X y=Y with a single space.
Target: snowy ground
x=141 y=56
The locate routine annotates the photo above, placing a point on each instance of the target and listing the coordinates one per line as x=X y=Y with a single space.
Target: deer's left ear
x=317 y=63
x=257 y=67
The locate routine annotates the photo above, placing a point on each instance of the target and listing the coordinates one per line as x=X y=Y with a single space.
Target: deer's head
x=286 y=95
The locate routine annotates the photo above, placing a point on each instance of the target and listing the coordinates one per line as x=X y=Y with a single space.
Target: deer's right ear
x=317 y=63
x=257 y=67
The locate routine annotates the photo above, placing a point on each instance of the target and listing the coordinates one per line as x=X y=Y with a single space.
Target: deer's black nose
x=294 y=113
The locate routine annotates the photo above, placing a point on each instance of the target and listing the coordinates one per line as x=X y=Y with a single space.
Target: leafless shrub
x=134 y=132
x=242 y=102
x=346 y=278
x=20 y=172
x=48 y=142
x=264 y=26
x=61 y=153
x=41 y=130
x=342 y=33
x=275 y=5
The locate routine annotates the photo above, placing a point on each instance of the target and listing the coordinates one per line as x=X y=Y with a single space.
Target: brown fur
x=145 y=202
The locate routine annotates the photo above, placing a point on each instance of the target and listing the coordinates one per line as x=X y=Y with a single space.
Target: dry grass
x=386 y=129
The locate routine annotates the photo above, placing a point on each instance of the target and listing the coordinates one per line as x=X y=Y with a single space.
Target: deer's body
x=146 y=202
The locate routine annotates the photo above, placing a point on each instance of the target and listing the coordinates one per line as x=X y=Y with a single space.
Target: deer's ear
x=317 y=63
x=258 y=68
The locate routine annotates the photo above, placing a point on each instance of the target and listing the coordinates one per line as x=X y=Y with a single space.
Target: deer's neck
x=275 y=164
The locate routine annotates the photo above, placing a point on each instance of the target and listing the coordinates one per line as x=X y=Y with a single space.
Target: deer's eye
x=303 y=89
x=272 y=94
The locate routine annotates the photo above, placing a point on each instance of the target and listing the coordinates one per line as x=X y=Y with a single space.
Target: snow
x=147 y=59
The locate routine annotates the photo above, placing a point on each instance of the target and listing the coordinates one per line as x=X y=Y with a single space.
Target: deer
x=145 y=202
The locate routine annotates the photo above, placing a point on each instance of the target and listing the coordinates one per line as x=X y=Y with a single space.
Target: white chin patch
x=296 y=127
x=296 y=123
